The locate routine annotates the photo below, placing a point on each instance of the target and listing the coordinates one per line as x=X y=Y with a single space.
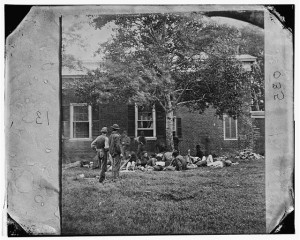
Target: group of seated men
x=166 y=161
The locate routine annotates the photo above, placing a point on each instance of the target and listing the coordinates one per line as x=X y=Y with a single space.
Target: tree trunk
x=169 y=125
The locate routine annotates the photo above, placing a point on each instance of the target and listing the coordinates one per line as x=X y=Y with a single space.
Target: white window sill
x=80 y=139
x=151 y=138
x=257 y=114
x=230 y=139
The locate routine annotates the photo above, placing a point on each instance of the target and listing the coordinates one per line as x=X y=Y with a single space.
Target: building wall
x=74 y=150
x=77 y=150
x=103 y=115
x=113 y=113
x=259 y=135
x=207 y=130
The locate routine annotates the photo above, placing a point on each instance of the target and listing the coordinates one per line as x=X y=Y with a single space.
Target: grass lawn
x=228 y=200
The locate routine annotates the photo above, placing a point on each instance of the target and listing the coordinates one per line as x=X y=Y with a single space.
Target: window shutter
x=131 y=121
x=160 y=122
x=179 y=128
x=227 y=127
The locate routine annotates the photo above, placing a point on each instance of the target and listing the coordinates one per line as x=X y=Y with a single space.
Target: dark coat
x=115 y=144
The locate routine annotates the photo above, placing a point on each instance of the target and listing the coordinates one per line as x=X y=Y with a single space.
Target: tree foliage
x=171 y=59
x=180 y=59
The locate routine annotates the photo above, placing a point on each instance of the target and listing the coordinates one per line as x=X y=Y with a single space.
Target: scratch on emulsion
x=276 y=134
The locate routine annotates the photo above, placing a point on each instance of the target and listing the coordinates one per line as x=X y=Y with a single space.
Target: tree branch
x=188 y=89
x=181 y=94
x=191 y=101
x=161 y=104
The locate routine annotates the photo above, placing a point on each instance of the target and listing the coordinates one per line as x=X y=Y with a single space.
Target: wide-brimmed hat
x=115 y=126
x=104 y=130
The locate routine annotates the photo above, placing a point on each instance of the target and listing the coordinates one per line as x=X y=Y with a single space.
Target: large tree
x=172 y=60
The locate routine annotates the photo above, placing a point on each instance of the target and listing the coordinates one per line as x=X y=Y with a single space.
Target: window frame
x=224 y=128
x=136 y=128
x=72 y=105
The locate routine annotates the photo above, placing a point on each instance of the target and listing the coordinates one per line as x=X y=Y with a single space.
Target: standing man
x=115 y=150
x=101 y=144
x=125 y=140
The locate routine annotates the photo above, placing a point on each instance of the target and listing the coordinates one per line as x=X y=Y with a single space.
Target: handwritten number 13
x=38 y=119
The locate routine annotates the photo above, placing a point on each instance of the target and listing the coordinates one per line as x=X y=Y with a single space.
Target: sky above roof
x=91 y=38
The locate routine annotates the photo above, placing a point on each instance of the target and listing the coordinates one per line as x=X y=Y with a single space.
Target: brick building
x=81 y=124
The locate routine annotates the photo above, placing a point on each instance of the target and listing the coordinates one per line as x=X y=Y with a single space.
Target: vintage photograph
x=163 y=123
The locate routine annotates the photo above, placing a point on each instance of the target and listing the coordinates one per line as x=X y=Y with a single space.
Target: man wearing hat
x=115 y=150
x=101 y=144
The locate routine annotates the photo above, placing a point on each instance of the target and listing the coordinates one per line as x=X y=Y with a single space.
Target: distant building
x=81 y=124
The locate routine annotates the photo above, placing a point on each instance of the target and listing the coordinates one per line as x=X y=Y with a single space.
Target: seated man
x=152 y=161
x=199 y=153
x=132 y=161
x=195 y=159
x=207 y=160
x=144 y=159
x=179 y=162
x=168 y=158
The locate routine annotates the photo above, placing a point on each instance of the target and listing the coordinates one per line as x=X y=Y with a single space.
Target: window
x=230 y=128
x=247 y=66
x=80 y=121
x=145 y=120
